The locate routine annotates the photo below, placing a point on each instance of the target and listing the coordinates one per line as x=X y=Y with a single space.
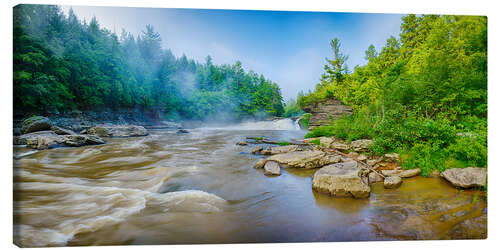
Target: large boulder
x=466 y=177
x=272 y=168
x=34 y=124
x=305 y=159
x=361 y=145
x=118 y=131
x=49 y=139
x=341 y=180
x=279 y=150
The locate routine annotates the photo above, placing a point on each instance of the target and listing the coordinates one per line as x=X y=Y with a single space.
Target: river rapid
x=200 y=187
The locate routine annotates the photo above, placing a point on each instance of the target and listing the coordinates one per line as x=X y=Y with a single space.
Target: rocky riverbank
x=347 y=169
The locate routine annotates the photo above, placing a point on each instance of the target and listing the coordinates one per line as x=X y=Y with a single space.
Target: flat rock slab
x=305 y=159
x=279 y=150
x=402 y=173
x=272 y=168
x=49 y=139
x=260 y=163
x=392 y=182
x=466 y=177
x=341 y=180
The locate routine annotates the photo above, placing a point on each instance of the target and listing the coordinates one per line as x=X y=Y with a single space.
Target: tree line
x=62 y=63
x=424 y=94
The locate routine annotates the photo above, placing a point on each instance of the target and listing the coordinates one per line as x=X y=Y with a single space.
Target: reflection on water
x=200 y=188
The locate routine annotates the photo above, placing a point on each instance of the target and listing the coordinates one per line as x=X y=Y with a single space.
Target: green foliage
x=283 y=143
x=304 y=122
x=418 y=94
x=292 y=109
x=61 y=63
x=316 y=141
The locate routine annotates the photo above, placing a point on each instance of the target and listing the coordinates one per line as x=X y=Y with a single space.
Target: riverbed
x=200 y=187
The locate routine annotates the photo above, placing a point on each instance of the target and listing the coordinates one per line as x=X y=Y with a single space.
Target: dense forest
x=62 y=63
x=423 y=94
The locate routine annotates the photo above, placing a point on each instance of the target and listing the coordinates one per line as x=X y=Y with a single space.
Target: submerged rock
x=118 y=131
x=341 y=180
x=466 y=177
x=34 y=124
x=305 y=159
x=272 y=168
x=182 y=131
x=392 y=182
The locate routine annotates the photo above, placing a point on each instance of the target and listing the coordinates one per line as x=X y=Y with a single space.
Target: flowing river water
x=200 y=187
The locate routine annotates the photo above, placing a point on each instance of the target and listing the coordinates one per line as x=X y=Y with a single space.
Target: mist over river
x=200 y=187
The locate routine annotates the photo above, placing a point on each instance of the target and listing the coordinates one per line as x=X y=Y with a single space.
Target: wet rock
x=260 y=163
x=242 y=143
x=392 y=182
x=305 y=159
x=49 y=139
x=361 y=145
x=34 y=124
x=272 y=168
x=402 y=173
x=394 y=157
x=466 y=177
x=279 y=150
x=341 y=180
x=62 y=131
x=182 y=131
x=118 y=131
x=374 y=177
x=257 y=149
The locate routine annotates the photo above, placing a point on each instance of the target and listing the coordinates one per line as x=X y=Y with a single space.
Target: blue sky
x=287 y=47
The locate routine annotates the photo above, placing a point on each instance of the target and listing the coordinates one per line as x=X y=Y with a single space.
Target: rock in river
x=49 y=139
x=305 y=159
x=34 y=124
x=392 y=182
x=62 y=131
x=466 y=177
x=272 y=168
x=260 y=163
x=341 y=180
x=402 y=173
x=374 y=177
x=118 y=131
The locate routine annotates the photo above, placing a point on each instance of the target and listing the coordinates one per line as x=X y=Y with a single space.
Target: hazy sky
x=287 y=47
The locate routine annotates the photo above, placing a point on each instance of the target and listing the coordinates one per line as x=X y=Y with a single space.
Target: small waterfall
x=279 y=124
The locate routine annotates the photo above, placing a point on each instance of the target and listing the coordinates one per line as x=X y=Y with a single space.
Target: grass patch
x=316 y=141
x=283 y=143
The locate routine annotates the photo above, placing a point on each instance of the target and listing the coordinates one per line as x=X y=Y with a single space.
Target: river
x=200 y=187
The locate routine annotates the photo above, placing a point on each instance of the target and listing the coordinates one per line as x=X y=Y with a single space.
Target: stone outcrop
x=49 y=139
x=257 y=149
x=260 y=163
x=34 y=124
x=361 y=145
x=466 y=177
x=305 y=159
x=323 y=113
x=341 y=180
x=118 y=131
x=272 y=168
